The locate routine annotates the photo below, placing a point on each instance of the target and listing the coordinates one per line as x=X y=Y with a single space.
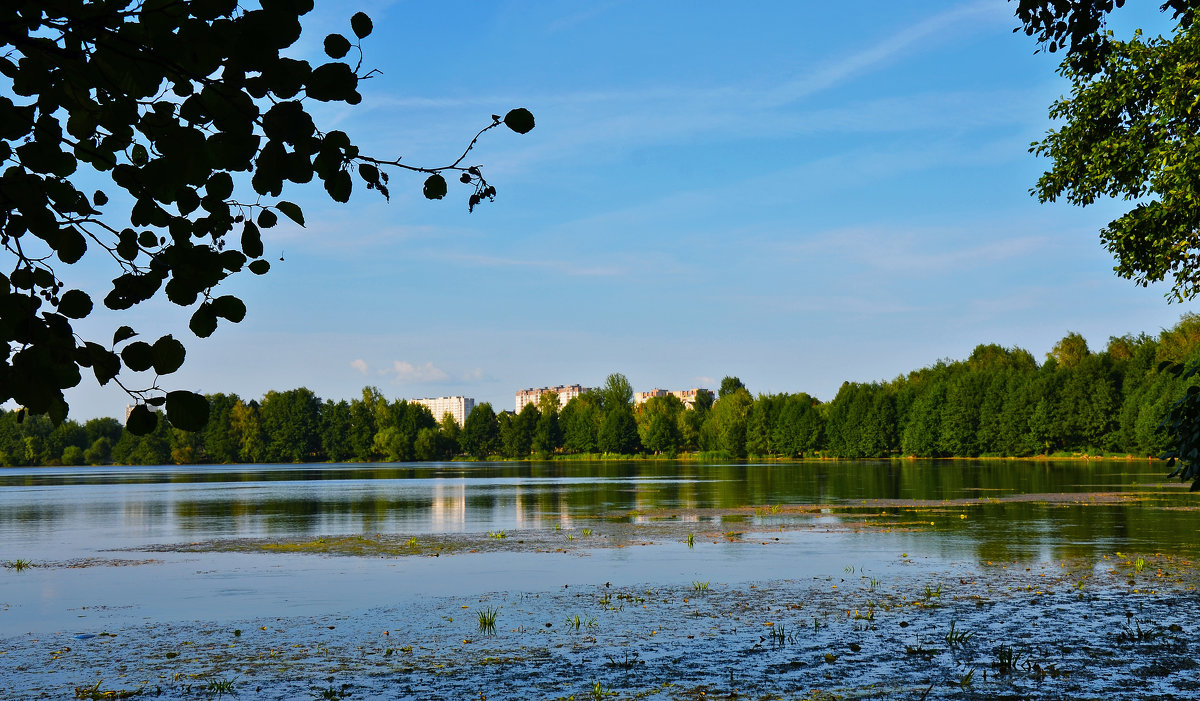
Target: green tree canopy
x=168 y=104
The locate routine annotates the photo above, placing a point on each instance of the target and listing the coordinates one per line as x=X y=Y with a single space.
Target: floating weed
x=1132 y=632
x=587 y=532
x=487 y=619
x=94 y=692
x=1007 y=659
x=576 y=622
x=780 y=636
x=220 y=687
x=1139 y=565
x=18 y=565
x=967 y=678
x=700 y=587
x=691 y=540
x=873 y=584
x=332 y=693
x=931 y=592
x=957 y=637
x=626 y=662
x=599 y=691
x=499 y=534
x=411 y=542
x=733 y=535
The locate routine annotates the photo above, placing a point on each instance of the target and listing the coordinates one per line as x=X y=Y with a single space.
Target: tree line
x=997 y=402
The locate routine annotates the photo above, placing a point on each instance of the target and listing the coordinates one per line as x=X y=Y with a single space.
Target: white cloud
x=359 y=364
x=405 y=371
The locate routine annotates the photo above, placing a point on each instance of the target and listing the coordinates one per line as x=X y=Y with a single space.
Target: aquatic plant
x=626 y=662
x=932 y=592
x=576 y=622
x=780 y=636
x=18 y=565
x=700 y=586
x=873 y=584
x=220 y=687
x=848 y=569
x=487 y=619
x=599 y=691
x=94 y=692
x=587 y=532
x=335 y=694
x=1132 y=632
x=1007 y=659
x=411 y=542
x=957 y=637
x=691 y=540
x=967 y=678
x=1139 y=565
x=497 y=534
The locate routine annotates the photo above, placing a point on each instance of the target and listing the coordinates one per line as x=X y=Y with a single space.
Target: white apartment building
x=531 y=395
x=687 y=396
x=458 y=407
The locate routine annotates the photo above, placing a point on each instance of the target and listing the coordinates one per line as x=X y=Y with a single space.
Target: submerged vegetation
x=998 y=402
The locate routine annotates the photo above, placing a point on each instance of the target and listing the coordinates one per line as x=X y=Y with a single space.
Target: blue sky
x=794 y=193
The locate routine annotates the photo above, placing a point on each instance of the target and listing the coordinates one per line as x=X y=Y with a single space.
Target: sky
x=798 y=194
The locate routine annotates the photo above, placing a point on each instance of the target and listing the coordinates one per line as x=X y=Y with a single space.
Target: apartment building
x=531 y=395
x=687 y=396
x=458 y=407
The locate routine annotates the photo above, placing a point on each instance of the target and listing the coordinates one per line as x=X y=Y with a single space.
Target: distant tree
x=616 y=393
x=618 y=432
x=219 y=439
x=1070 y=351
x=547 y=436
x=100 y=452
x=729 y=385
x=337 y=423
x=480 y=432
x=658 y=424
x=291 y=425
x=580 y=421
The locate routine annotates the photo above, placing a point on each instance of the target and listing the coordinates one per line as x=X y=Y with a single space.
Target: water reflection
x=45 y=510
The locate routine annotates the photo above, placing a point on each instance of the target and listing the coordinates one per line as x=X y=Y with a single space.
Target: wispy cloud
x=403 y=371
x=563 y=267
x=359 y=364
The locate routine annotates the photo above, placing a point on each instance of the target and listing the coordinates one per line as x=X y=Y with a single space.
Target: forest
x=998 y=402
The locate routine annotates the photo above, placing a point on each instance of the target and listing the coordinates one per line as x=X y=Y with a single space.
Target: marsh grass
x=576 y=622
x=497 y=534
x=487 y=620
x=691 y=540
x=956 y=638
x=18 y=565
x=220 y=687
x=626 y=662
x=700 y=587
x=1007 y=659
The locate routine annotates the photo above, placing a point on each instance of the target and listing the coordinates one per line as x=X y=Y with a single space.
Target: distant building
x=565 y=394
x=687 y=396
x=458 y=407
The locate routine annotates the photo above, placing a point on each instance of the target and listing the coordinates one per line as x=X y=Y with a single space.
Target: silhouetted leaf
x=291 y=211
x=204 y=320
x=187 y=410
x=123 y=333
x=141 y=420
x=361 y=24
x=168 y=355
x=336 y=46
x=259 y=267
x=435 y=187
x=519 y=120
x=229 y=307
x=75 y=304
x=138 y=356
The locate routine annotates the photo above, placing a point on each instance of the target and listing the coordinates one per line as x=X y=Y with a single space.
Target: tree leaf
x=361 y=24
x=291 y=211
x=229 y=307
x=336 y=46
x=123 y=333
x=187 y=410
x=138 y=356
x=168 y=355
x=519 y=120
x=435 y=187
x=75 y=304
x=141 y=420
x=259 y=267
x=204 y=320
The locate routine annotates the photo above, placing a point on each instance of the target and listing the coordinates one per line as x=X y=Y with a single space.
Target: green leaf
x=229 y=307
x=123 y=333
x=361 y=24
x=75 y=304
x=138 y=356
x=168 y=355
x=339 y=186
x=435 y=187
x=141 y=420
x=204 y=320
x=336 y=46
x=267 y=219
x=291 y=211
x=187 y=410
x=259 y=267
x=519 y=120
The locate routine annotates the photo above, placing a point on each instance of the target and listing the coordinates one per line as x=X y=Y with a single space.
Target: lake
x=129 y=564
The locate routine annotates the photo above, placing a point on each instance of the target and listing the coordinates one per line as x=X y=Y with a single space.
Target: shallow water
x=143 y=553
